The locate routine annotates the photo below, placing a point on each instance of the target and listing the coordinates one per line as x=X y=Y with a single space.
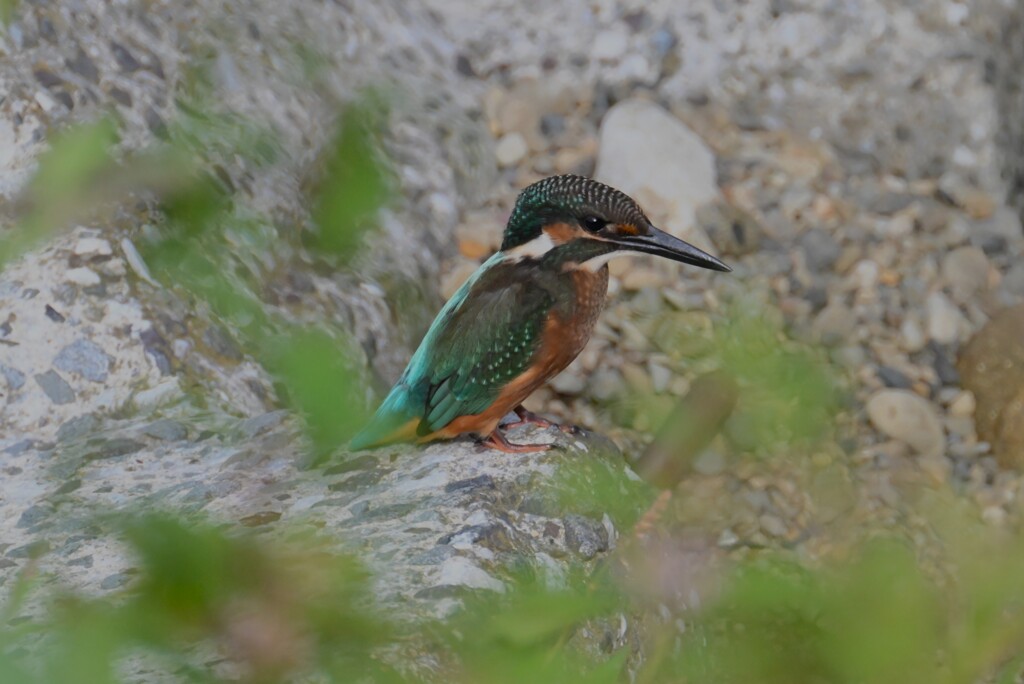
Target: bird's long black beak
x=664 y=245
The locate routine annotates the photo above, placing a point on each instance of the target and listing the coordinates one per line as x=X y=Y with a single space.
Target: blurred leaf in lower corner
x=273 y=610
x=355 y=183
x=523 y=635
x=64 y=185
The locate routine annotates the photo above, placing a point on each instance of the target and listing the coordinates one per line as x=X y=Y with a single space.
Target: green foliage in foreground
x=215 y=606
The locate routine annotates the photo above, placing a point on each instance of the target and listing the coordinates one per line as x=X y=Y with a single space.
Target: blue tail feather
x=389 y=419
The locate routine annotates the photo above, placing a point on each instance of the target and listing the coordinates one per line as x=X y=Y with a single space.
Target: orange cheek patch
x=627 y=229
x=560 y=233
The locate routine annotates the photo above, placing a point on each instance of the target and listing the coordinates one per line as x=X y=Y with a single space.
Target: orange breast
x=566 y=332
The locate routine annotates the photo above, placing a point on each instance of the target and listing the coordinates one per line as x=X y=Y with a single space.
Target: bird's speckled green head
x=576 y=222
x=568 y=199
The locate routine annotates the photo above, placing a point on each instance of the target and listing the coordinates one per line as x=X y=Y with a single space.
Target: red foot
x=527 y=418
x=496 y=440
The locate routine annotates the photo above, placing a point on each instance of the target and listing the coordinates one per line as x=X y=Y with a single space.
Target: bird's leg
x=497 y=440
x=531 y=418
x=527 y=418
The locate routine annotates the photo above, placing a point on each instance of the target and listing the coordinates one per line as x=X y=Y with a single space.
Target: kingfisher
x=522 y=317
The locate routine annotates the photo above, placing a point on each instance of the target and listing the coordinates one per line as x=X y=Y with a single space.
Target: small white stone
x=181 y=347
x=865 y=275
x=82 y=276
x=912 y=337
x=511 y=149
x=45 y=101
x=462 y=572
x=945 y=322
x=660 y=376
x=90 y=245
x=963 y=405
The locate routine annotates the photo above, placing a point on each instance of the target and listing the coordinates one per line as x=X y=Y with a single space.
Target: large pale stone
x=909 y=418
x=652 y=156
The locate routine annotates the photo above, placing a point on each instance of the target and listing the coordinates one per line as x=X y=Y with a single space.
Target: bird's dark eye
x=593 y=223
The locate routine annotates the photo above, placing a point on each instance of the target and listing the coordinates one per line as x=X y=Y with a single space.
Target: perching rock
x=434 y=522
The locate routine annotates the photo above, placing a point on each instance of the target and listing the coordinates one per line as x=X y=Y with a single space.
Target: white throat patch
x=594 y=265
x=534 y=249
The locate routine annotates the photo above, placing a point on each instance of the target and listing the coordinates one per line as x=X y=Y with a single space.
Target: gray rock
x=569 y=382
x=84 y=358
x=34 y=549
x=56 y=387
x=20 y=447
x=115 y=581
x=257 y=425
x=820 y=250
x=585 y=536
x=14 y=377
x=166 y=430
x=77 y=427
x=81 y=562
x=834 y=324
x=891 y=377
x=965 y=270
x=34 y=514
x=605 y=383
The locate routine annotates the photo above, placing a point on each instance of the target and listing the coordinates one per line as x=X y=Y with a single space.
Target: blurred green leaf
x=356 y=182
x=7 y=10
x=63 y=186
x=319 y=376
x=788 y=394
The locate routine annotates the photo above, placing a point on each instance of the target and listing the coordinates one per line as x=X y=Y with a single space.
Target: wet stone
x=257 y=425
x=55 y=387
x=84 y=358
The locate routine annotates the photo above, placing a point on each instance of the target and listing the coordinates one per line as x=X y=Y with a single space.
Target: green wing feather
x=484 y=337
